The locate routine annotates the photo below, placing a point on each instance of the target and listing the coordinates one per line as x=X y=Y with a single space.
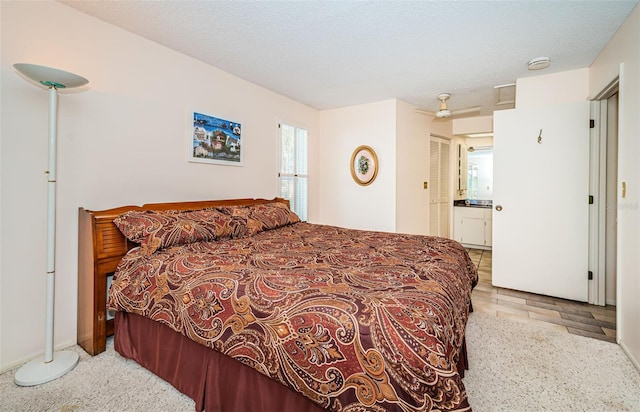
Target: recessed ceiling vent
x=505 y=94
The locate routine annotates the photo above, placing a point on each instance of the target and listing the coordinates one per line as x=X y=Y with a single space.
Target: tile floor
x=568 y=316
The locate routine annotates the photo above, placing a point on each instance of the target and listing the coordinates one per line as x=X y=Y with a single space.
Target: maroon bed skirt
x=214 y=381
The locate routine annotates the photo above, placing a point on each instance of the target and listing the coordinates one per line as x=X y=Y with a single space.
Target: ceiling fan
x=444 y=111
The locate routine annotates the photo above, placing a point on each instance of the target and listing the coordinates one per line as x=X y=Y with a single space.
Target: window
x=294 y=173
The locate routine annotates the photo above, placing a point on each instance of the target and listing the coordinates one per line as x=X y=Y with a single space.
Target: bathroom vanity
x=472 y=223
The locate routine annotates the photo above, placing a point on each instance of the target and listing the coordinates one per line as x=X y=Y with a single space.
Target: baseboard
x=627 y=352
x=20 y=362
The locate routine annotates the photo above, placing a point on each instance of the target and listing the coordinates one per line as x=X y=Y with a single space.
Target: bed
x=243 y=307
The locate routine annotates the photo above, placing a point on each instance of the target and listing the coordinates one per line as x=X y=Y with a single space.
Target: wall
x=555 y=88
x=479 y=141
x=396 y=201
x=472 y=125
x=343 y=202
x=412 y=169
x=621 y=57
x=121 y=140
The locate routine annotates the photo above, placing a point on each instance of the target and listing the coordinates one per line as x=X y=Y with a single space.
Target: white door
x=439 y=204
x=541 y=210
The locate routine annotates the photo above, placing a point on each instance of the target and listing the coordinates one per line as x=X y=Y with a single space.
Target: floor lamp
x=52 y=365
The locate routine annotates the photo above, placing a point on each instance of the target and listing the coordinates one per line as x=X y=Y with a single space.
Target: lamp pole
x=51 y=222
x=52 y=365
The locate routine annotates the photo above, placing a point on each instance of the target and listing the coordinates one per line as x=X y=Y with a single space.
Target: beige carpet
x=522 y=367
x=514 y=367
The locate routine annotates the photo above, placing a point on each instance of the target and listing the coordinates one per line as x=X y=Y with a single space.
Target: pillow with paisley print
x=157 y=229
x=264 y=216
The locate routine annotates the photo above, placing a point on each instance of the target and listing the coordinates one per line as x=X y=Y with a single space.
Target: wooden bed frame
x=101 y=245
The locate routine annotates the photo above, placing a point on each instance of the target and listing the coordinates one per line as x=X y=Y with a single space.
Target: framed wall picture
x=364 y=165
x=215 y=140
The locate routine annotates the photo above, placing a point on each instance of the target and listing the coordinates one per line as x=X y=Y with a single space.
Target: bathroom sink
x=474 y=203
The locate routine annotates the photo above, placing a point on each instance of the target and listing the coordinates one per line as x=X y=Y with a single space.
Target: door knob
x=498 y=207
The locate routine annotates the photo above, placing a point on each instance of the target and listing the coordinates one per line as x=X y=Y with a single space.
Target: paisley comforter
x=353 y=320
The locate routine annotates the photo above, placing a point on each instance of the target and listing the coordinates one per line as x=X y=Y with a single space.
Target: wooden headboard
x=101 y=245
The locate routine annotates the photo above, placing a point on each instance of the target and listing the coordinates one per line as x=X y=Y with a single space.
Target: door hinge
x=592 y=123
x=590 y=275
x=590 y=199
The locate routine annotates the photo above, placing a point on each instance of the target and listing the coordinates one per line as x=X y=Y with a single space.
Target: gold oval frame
x=370 y=154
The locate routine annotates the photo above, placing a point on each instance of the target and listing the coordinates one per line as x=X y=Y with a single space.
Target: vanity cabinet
x=472 y=226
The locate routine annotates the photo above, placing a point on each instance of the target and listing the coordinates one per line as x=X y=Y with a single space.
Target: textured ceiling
x=330 y=54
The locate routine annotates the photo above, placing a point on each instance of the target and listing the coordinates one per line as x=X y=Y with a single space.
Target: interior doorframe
x=598 y=189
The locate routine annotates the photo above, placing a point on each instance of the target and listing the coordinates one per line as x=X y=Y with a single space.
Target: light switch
x=425 y=185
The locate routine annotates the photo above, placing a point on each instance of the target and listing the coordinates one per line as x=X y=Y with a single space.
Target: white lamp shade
x=49 y=76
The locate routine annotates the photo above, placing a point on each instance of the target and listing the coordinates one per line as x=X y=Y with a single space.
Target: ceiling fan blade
x=465 y=111
x=453 y=112
x=423 y=111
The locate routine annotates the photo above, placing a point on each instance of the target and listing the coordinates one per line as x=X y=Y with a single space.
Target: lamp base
x=37 y=371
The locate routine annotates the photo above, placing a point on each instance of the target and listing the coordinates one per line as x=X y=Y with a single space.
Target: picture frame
x=215 y=140
x=364 y=165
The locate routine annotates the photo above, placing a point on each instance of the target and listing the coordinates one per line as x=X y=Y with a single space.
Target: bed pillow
x=154 y=229
x=264 y=216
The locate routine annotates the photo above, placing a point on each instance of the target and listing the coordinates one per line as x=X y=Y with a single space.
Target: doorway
x=611 y=225
x=604 y=186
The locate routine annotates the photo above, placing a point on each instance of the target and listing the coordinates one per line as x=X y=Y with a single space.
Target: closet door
x=439 y=203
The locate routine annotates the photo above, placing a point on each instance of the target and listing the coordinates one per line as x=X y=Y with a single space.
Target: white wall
x=343 y=202
x=412 y=170
x=621 y=57
x=479 y=141
x=396 y=201
x=555 y=88
x=472 y=125
x=122 y=140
